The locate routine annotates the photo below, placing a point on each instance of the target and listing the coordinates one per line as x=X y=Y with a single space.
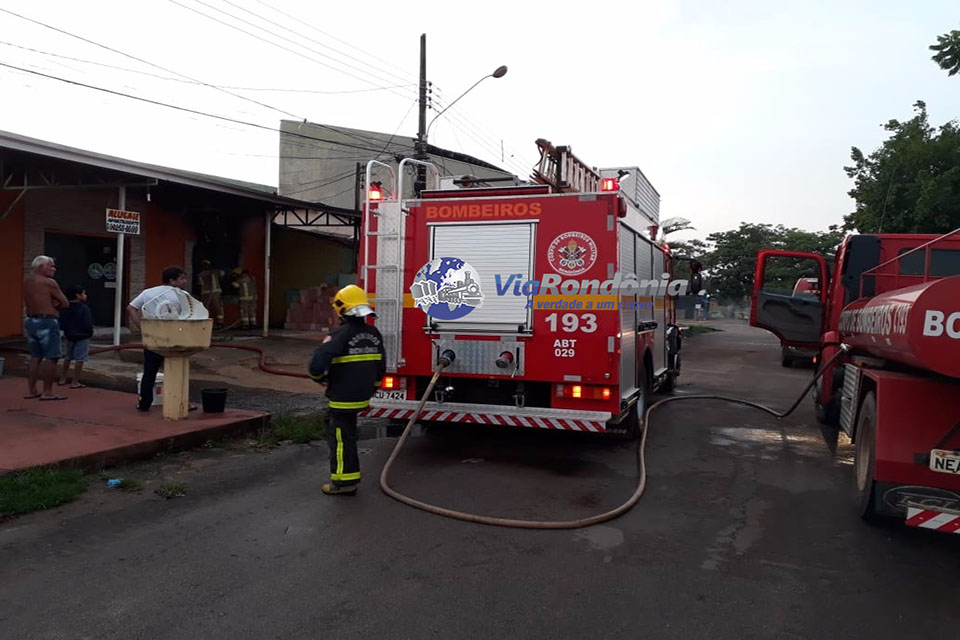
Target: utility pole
x=421 y=146
x=422 y=131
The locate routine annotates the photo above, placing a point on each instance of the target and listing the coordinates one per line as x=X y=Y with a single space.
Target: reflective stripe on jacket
x=248 y=288
x=210 y=281
x=351 y=363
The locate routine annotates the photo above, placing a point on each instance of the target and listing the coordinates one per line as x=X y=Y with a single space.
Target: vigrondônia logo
x=447 y=289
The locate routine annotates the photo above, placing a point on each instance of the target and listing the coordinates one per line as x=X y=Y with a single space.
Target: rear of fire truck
x=893 y=305
x=520 y=285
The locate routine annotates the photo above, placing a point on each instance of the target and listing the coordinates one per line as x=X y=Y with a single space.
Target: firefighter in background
x=351 y=363
x=210 y=291
x=246 y=288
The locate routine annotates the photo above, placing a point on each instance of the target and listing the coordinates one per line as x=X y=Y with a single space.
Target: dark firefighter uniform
x=351 y=363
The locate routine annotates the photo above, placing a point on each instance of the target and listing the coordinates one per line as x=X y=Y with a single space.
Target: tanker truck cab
x=893 y=302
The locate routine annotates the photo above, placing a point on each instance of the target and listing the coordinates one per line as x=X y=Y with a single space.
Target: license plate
x=391 y=395
x=945 y=461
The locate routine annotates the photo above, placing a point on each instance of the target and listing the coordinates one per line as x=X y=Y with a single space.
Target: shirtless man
x=42 y=298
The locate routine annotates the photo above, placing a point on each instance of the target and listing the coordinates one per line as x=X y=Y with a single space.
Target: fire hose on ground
x=261 y=363
x=447 y=358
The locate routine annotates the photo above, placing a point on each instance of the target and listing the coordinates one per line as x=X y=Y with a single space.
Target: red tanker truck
x=893 y=302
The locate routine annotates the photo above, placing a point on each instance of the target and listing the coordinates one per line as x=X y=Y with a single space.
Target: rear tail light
x=388 y=382
x=609 y=184
x=584 y=392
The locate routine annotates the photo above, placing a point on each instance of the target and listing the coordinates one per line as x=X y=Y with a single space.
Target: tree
x=730 y=265
x=947 y=54
x=672 y=225
x=911 y=184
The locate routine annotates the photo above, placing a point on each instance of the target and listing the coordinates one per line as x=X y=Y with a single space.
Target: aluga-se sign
x=119 y=221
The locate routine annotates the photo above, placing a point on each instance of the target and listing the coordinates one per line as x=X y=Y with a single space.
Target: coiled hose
x=584 y=522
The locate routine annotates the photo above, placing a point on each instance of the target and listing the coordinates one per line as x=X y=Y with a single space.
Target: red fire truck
x=894 y=300
x=529 y=287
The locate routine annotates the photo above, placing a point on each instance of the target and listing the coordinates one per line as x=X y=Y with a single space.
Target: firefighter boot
x=334 y=490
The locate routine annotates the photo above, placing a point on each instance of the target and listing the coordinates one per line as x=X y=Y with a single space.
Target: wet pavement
x=746 y=531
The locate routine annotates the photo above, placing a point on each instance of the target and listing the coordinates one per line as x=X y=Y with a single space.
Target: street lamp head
x=499 y=72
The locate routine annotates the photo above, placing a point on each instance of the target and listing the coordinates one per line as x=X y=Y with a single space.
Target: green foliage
x=911 y=184
x=300 y=429
x=730 y=264
x=697 y=329
x=172 y=489
x=672 y=225
x=130 y=484
x=35 y=489
x=947 y=54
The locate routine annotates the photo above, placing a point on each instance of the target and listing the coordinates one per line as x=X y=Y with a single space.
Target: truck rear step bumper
x=945 y=520
x=535 y=417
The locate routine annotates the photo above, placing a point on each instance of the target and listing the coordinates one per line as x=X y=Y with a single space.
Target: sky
x=737 y=111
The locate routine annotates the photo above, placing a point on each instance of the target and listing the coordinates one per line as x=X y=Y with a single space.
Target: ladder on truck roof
x=384 y=256
x=562 y=170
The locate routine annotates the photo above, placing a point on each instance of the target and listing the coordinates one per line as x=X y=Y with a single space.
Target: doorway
x=88 y=261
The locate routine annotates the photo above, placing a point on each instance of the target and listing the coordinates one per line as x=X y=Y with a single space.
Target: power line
x=275 y=44
x=185 y=109
x=462 y=113
x=127 y=55
x=358 y=137
x=333 y=37
x=194 y=82
x=308 y=38
x=513 y=165
x=480 y=131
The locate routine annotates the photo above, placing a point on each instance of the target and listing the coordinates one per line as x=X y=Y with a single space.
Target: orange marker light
x=609 y=184
x=388 y=382
x=577 y=391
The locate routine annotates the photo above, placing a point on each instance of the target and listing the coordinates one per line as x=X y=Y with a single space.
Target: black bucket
x=214 y=400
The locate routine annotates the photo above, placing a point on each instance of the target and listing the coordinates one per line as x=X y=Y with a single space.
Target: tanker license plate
x=945 y=461
x=391 y=395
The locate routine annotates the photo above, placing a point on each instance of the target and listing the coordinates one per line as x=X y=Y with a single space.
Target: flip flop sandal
x=78 y=386
x=52 y=398
x=36 y=395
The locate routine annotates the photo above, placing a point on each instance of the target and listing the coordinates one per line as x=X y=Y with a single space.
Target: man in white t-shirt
x=155 y=302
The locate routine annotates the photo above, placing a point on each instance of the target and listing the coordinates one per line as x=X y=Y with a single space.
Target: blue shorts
x=78 y=350
x=43 y=336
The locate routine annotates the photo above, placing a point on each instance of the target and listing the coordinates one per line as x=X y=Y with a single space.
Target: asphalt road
x=746 y=531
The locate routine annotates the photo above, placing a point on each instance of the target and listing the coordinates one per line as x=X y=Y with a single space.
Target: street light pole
x=498 y=73
x=420 y=146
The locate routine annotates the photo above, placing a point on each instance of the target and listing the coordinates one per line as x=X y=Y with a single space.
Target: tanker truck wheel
x=864 y=460
x=828 y=414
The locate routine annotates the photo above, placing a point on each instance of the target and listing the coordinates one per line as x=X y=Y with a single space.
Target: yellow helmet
x=352 y=298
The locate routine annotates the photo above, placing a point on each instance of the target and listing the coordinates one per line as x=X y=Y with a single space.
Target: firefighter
x=246 y=287
x=210 y=291
x=351 y=363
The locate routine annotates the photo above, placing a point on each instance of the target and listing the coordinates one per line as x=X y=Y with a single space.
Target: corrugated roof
x=263 y=193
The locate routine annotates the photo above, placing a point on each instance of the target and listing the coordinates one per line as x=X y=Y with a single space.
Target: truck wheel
x=864 y=457
x=632 y=423
x=669 y=383
x=828 y=414
x=785 y=359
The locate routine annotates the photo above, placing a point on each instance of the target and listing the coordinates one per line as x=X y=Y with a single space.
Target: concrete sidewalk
x=95 y=428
